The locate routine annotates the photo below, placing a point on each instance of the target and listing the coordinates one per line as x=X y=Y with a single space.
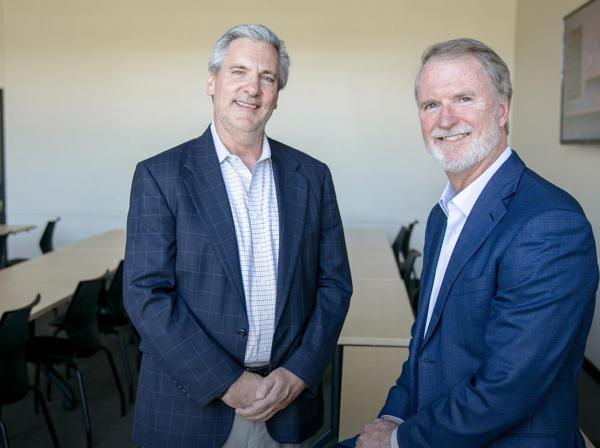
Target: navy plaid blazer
x=183 y=291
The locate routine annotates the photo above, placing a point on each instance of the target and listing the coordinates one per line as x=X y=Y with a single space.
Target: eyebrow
x=461 y=94
x=467 y=92
x=269 y=72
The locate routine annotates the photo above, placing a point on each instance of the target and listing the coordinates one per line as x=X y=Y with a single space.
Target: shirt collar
x=223 y=153
x=465 y=200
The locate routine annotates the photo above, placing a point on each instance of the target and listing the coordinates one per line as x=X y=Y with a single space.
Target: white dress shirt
x=457 y=208
x=253 y=201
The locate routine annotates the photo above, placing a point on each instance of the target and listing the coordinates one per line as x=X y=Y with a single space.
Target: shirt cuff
x=394 y=436
x=392 y=418
x=394 y=439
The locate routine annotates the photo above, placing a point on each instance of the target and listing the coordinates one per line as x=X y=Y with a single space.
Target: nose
x=252 y=86
x=447 y=117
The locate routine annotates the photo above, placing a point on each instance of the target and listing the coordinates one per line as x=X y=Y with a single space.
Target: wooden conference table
x=56 y=274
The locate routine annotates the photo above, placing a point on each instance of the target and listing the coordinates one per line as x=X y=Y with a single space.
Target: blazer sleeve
x=334 y=288
x=199 y=366
x=541 y=313
x=398 y=401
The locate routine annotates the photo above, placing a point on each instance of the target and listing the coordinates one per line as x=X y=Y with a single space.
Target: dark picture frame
x=580 y=80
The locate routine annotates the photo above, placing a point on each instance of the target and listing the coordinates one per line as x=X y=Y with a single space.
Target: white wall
x=1 y=43
x=536 y=117
x=93 y=87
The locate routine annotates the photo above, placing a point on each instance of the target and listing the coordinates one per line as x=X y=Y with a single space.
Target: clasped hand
x=256 y=398
x=377 y=434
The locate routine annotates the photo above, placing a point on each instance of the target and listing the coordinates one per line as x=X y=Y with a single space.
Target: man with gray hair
x=236 y=273
x=508 y=284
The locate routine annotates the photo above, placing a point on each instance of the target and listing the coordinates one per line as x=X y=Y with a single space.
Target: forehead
x=248 y=52
x=456 y=73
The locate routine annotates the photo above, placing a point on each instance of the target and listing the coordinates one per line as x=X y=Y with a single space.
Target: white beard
x=479 y=150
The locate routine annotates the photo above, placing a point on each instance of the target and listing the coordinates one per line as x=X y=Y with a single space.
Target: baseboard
x=591 y=369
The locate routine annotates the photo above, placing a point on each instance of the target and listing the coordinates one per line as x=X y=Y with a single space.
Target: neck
x=246 y=145
x=463 y=179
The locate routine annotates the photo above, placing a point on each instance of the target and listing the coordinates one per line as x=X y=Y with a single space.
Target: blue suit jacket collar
x=490 y=208
x=209 y=195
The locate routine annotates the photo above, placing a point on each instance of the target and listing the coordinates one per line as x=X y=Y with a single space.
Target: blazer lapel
x=292 y=193
x=436 y=228
x=209 y=195
x=485 y=215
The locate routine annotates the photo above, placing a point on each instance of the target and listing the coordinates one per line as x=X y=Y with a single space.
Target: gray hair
x=259 y=33
x=493 y=64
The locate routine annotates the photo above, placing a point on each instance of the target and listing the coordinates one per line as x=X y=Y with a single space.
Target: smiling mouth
x=452 y=137
x=245 y=105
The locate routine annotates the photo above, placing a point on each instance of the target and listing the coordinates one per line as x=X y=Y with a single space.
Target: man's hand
x=377 y=434
x=276 y=392
x=242 y=393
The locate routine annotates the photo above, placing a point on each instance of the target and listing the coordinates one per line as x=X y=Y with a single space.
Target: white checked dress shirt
x=253 y=202
x=457 y=208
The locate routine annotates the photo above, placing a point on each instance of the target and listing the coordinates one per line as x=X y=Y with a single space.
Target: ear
x=210 y=85
x=503 y=111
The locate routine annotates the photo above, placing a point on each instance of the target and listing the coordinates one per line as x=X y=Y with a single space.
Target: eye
x=268 y=78
x=465 y=99
x=429 y=106
x=237 y=73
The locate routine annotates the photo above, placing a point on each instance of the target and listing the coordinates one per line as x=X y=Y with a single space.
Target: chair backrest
x=46 y=241
x=114 y=297
x=398 y=244
x=14 y=328
x=80 y=321
x=408 y=266
x=406 y=242
x=411 y=281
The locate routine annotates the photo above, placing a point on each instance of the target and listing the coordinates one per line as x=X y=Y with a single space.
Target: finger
x=264 y=416
x=270 y=416
x=259 y=407
x=276 y=408
x=265 y=387
x=263 y=409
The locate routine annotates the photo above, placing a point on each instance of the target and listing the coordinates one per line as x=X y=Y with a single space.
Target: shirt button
x=242 y=332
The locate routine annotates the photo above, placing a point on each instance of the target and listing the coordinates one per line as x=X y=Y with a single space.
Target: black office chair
x=47 y=239
x=411 y=281
x=14 y=378
x=81 y=325
x=46 y=242
x=406 y=242
x=401 y=244
x=398 y=244
x=112 y=319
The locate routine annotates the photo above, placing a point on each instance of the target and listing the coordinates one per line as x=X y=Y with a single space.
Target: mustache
x=443 y=133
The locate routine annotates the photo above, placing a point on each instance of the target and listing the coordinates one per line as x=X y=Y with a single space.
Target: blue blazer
x=184 y=293
x=498 y=366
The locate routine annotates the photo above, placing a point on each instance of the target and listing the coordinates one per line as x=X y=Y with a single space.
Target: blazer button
x=242 y=333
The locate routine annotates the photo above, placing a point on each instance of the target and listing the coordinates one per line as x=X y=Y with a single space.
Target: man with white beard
x=508 y=284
